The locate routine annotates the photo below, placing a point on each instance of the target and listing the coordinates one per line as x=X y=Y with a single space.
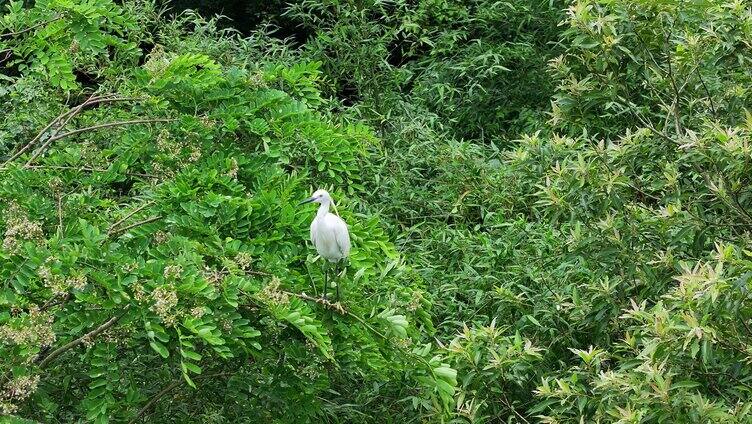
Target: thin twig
x=124 y=229
x=75 y=111
x=110 y=124
x=53 y=302
x=7 y=52
x=509 y=405
x=321 y=301
x=123 y=219
x=31 y=28
x=85 y=169
x=59 y=214
x=677 y=95
x=37 y=137
x=260 y=273
x=89 y=102
x=741 y=208
x=172 y=386
x=342 y=311
x=707 y=92
x=44 y=147
x=90 y=335
x=156 y=399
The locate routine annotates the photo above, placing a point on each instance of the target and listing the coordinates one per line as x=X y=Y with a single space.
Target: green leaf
x=159 y=348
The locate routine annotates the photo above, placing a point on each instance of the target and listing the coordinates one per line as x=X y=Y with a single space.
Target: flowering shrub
x=550 y=223
x=152 y=245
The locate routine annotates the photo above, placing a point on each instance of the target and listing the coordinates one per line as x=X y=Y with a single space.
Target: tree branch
x=342 y=311
x=59 y=196
x=85 y=169
x=31 y=28
x=677 y=95
x=172 y=386
x=89 y=102
x=135 y=211
x=154 y=399
x=707 y=92
x=124 y=229
x=53 y=302
x=92 y=128
x=90 y=335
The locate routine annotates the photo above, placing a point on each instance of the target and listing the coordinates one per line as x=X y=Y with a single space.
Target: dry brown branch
x=84 y=169
x=90 y=335
x=93 y=100
x=123 y=219
x=124 y=229
x=31 y=28
x=170 y=387
x=44 y=147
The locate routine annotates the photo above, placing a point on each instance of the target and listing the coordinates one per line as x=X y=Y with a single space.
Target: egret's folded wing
x=342 y=237
x=313 y=232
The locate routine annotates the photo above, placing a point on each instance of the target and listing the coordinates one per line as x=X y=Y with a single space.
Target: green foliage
x=549 y=206
x=70 y=38
x=477 y=64
x=632 y=64
x=167 y=249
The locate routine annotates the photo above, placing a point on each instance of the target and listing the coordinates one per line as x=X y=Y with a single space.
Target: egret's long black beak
x=308 y=200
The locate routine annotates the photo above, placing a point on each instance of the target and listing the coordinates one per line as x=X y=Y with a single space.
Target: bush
x=152 y=240
x=549 y=207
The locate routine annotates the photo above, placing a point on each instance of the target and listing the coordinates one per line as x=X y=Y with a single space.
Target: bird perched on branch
x=329 y=235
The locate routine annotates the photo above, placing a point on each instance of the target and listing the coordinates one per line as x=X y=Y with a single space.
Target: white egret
x=329 y=234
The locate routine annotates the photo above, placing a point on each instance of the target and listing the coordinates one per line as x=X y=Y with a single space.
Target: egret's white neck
x=323 y=209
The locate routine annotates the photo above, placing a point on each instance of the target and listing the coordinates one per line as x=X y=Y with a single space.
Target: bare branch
x=707 y=92
x=54 y=302
x=90 y=335
x=85 y=169
x=677 y=95
x=321 y=301
x=37 y=137
x=170 y=387
x=75 y=111
x=154 y=399
x=89 y=102
x=44 y=147
x=135 y=211
x=124 y=229
x=31 y=28
x=109 y=124
x=59 y=214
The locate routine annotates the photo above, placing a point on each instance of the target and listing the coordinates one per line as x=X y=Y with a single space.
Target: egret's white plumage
x=329 y=234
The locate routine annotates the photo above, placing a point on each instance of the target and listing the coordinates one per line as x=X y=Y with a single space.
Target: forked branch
x=31 y=28
x=52 y=139
x=88 y=336
x=65 y=117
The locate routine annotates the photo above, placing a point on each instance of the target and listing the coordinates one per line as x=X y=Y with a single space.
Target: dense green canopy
x=549 y=205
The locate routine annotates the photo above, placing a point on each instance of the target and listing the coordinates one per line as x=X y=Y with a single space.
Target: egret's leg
x=336 y=275
x=326 y=275
x=313 y=282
